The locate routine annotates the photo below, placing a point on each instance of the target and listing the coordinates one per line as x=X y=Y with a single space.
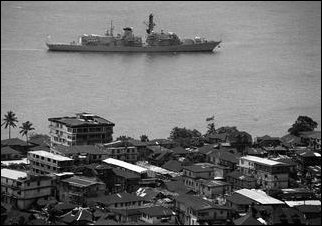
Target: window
x=48 y=159
x=38 y=183
x=54 y=161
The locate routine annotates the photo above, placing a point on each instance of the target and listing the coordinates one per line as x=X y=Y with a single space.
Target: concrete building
x=83 y=129
x=122 y=150
x=193 y=210
x=21 y=190
x=158 y=215
x=270 y=174
x=191 y=174
x=44 y=162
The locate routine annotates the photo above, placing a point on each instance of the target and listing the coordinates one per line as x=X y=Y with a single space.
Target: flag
x=210 y=119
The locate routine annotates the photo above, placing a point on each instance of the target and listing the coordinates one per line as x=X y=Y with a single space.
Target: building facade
x=21 y=190
x=78 y=189
x=44 y=162
x=83 y=129
x=122 y=150
x=270 y=174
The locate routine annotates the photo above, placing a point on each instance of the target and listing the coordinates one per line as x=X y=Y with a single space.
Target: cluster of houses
x=79 y=175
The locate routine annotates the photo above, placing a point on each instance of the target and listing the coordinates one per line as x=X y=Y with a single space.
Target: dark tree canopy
x=124 y=138
x=302 y=124
x=211 y=128
x=186 y=137
x=144 y=138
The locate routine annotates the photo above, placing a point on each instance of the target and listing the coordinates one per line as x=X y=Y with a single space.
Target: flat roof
x=13 y=174
x=75 y=122
x=259 y=196
x=262 y=160
x=125 y=165
x=50 y=155
x=9 y=162
x=303 y=202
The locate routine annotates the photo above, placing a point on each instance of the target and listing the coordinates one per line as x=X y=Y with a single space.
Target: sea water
x=266 y=73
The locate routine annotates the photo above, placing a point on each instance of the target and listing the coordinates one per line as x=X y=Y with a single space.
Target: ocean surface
x=266 y=73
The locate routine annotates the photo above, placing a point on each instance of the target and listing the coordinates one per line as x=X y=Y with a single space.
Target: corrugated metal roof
x=259 y=196
x=125 y=165
x=262 y=160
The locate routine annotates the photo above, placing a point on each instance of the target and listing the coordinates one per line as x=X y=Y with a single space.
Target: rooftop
x=125 y=165
x=308 y=153
x=125 y=174
x=248 y=219
x=9 y=162
x=82 y=119
x=157 y=211
x=240 y=176
x=118 y=144
x=50 y=155
x=8 y=150
x=13 y=142
x=117 y=198
x=13 y=174
x=78 y=149
x=259 y=196
x=262 y=161
x=197 y=203
x=199 y=168
x=212 y=183
x=239 y=199
x=303 y=202
x=173 y=165
x=156 y=169
x=81 y=181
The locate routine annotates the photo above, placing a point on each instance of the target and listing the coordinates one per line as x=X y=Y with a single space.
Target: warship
x=128 y=42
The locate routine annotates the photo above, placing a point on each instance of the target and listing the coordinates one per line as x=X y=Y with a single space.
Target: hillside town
x=79 y=175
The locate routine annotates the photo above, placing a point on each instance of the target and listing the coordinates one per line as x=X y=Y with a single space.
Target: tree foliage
x=10 y=120
x=144 y=138
x=124 y=138
x=302 y=124
x=186 y=137
x=211 y=128
x=25 y=128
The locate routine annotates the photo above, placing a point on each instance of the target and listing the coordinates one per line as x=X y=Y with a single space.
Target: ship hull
x=203 y=47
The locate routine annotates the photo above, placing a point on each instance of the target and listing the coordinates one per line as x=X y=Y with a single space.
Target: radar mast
x=151 y=24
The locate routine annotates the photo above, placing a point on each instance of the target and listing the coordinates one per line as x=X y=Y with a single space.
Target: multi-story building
x=85 y=128
x=193 y=210
x=270 y=174
x=191 y=174
x=78 y=189
x=122 y=150
x=82 y=154
x=44 y=162
x=21 y=190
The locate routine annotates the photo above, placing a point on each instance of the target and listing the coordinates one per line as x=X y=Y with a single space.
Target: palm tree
x=25 y=128
x=10 y=120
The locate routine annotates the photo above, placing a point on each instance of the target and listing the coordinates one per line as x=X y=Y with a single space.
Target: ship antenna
x=151 y=24
x=112 y=28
